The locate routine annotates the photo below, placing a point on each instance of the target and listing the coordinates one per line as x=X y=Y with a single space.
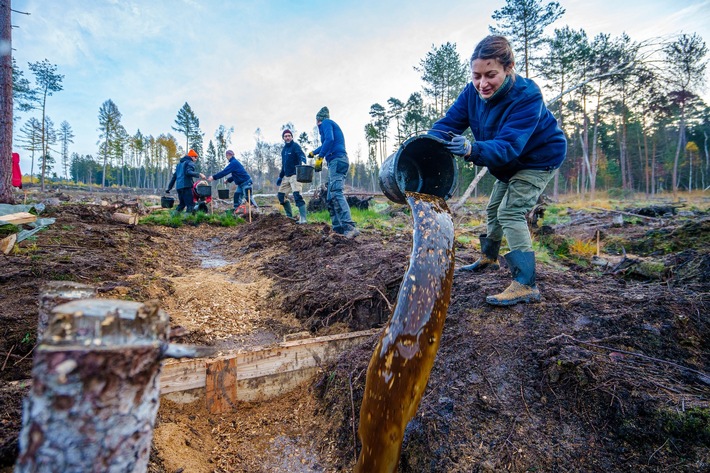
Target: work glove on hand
x=279 y=181
x=319 y=163
x=311 y=155
x=230 y=180
x=459 y=145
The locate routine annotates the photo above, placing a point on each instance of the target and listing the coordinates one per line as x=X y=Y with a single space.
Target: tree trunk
x=95 y=389
x=467 y=194
x=6 y=196
x=681 y=136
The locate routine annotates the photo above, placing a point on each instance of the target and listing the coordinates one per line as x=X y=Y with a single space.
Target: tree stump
x=95 y=389
x=55 y=293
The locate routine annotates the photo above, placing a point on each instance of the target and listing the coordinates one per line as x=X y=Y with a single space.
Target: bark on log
x=95 y=389
x=55 y=293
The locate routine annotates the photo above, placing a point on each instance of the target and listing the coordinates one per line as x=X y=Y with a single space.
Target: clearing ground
x=609 y=372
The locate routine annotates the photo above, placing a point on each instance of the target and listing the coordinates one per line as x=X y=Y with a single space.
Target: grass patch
x=8 y=229
x=175 y=220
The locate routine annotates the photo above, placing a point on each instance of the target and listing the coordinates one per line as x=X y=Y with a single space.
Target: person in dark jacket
x=518 y=139
x=182 y=180
x=239 y=176
x=332 y=149
x=291 y=156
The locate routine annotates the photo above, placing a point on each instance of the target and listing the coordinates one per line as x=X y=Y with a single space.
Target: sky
x=252 y=64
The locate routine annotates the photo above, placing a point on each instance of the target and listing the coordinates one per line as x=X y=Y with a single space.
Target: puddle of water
x=288 y=455
x=208 y=259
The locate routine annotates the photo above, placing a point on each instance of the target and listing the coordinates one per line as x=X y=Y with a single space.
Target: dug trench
x=606 y=373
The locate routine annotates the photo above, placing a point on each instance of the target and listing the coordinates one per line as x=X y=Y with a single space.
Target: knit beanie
x=323 y=114
x=192 y=153
x=286 y=131
x=229 y=152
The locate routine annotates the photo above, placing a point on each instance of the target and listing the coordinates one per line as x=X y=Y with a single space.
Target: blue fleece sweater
x=183 y=175
x=514 y=130
x=332 y=141
x=235 y=168
x=291 y=156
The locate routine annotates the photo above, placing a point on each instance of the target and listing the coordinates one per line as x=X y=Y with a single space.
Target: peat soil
x=609 y=372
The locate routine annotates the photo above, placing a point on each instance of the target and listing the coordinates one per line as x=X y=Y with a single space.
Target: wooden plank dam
x=401 y=363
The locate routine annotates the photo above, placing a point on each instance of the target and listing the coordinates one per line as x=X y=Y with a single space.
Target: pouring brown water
x=401 y=363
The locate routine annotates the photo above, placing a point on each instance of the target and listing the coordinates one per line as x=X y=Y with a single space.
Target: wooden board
x=7 y=243
x=18 y=218
x=262 y=372
x=221 y=385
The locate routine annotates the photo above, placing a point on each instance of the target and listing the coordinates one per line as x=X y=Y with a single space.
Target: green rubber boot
x=523 y=288
x=302 y=214
x=489 y=256
x=287 y=208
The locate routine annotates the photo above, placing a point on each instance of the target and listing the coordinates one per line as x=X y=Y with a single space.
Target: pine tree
x=523 y=22
x=110 y=128
x=48 y=82
x=65 y=137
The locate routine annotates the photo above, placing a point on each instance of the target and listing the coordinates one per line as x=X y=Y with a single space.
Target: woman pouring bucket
x=515 y=136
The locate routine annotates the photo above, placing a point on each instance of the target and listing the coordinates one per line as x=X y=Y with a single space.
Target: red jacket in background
x=16 y=173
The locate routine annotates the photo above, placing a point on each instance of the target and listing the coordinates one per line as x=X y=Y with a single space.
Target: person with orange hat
x=182 y=181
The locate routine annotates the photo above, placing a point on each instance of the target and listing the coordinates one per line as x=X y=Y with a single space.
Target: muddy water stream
x=401 y=363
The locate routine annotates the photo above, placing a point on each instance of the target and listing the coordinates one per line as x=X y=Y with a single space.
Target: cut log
x=8 y=243
x=94 y=393
x=55 y=293
x=18 y=218
x=130 y=219
x=262 y=372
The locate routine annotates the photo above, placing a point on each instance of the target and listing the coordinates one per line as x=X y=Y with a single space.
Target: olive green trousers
x=509 y=203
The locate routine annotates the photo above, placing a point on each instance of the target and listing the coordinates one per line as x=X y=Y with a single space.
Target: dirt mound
x=617 y=368
x=321 y=277
x=608 y=373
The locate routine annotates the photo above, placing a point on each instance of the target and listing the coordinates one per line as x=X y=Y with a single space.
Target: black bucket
x=223 y=193
x=167 y=202
x=422 y=164
x=304 y=173
x=204 y=190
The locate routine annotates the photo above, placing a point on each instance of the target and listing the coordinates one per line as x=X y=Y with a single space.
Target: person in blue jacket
x=182 y=180
x=518 y=139
x=240 y=177
x=332 y=149
x=291 y=156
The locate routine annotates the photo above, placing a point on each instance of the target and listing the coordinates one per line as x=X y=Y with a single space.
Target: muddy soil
x=609 y=372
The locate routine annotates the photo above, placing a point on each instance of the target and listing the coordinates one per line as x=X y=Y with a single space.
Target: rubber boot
x=302 y=213
x=287 y=208
x=489 y=256
x=351 y=232
x=523 y=288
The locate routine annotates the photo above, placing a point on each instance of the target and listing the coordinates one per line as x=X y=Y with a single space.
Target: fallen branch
x=6 y=358
x=627 y=213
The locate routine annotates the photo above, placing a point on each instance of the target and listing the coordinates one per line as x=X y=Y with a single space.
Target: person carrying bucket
x=333 y=151
x=291 y=156
x=518 y=139
x=182 y=180
x=240 y=177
